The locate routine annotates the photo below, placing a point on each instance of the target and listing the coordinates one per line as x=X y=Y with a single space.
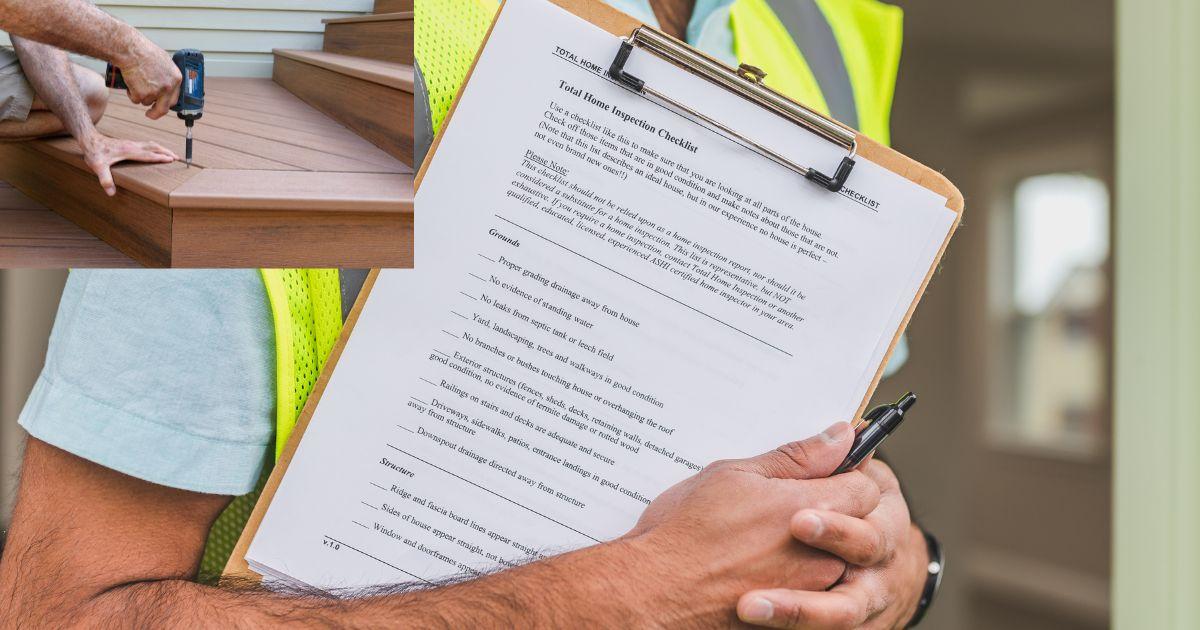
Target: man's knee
x=93 y=90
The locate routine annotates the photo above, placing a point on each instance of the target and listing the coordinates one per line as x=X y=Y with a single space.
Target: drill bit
x=188 y=145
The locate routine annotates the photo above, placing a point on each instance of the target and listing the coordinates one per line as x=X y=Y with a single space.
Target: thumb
x=814 y=458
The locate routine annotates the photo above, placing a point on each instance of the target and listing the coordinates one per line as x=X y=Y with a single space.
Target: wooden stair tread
x=386 y=73
x=382 y=36
x=292 y=190
x=393 y=6
x=373 y=17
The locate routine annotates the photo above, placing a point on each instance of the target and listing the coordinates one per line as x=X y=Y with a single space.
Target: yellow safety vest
x=306 y=310
x=857 y=41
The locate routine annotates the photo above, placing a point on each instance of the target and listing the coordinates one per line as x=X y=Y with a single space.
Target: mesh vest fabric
x=869 y=36
x=307 y=315
x=447 y=35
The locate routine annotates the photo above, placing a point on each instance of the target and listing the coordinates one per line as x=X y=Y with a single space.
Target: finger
x=882 y=474
x=159 y=109
x=816 y=457
x=151 y=155
x=838 y=609
x=163 y=105
x=852 y=494
x=106 y=179
x=160 y=148
x=153 y=148
x=854 y=540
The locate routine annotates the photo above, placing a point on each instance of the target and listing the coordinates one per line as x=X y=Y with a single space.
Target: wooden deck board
x=32 y=235
x=291 y=190
x=353 y=148
x=279 y=154
x=275 y=137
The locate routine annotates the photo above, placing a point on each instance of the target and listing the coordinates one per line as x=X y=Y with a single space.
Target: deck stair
x=275 y=182
x=362 y=77
x=312 y=168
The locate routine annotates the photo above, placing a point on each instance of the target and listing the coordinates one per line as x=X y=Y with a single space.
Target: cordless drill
x=190 y=105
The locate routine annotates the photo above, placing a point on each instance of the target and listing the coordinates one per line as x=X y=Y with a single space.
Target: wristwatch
x=933 y=579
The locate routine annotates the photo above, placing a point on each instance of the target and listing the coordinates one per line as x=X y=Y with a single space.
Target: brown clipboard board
x=622 y=25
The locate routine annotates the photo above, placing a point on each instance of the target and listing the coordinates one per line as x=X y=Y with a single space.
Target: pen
x=881 y=422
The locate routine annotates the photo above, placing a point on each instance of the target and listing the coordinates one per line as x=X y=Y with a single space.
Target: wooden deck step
x=32 y=235
x=374 y=98
x=392 y=6
x=382 y=36
x=274 y=183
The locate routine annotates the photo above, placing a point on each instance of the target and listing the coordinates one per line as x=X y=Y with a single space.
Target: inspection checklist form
x=608 y=295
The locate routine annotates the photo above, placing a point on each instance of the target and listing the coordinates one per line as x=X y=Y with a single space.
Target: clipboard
x=747 y=82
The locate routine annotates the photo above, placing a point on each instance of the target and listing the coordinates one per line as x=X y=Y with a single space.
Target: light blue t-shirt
x=168 y=376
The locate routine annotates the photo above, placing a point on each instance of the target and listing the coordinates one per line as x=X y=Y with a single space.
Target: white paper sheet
x=579 y=335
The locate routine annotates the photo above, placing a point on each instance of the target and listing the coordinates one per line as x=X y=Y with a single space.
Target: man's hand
x=78 y=26
x=726 y=531
x=53 y=77
x=887 y=558
x=100 y=152
x=153 y=79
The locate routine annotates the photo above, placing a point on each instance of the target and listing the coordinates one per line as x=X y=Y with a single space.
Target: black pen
x=881 y=422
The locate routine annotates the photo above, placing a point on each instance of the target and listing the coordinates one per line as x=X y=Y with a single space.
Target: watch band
x=933 y=579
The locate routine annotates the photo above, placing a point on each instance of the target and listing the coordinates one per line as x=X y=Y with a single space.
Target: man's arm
x=78 y=26
x=93 y=546
x=52 y=75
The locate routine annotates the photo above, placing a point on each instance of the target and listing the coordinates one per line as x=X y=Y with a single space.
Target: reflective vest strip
x=813 y=35
x=870 y=35
x=761 y=40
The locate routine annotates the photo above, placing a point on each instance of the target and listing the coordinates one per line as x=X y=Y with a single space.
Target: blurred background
x=1008 y=460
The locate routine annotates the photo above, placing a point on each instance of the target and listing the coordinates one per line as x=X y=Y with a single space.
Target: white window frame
x=1002 y=171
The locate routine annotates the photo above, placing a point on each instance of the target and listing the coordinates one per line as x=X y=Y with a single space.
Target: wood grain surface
x=136 y=226
x=32 y=235
x=293 y=190
x=352 y=91
x=385 y=36
x=392 y=6
x=257 y=238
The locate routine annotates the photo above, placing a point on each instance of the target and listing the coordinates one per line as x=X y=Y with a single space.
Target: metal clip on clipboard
x=745 y=81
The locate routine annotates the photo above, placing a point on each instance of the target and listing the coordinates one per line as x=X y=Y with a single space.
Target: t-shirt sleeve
x=168 y=376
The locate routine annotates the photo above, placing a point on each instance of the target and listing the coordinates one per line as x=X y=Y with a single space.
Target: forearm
x=75 y=25
x=49 y=71
x=602 y=586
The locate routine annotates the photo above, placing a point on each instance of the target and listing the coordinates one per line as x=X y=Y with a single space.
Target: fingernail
x=758 y=609
x=836 y=433
x=811 y=525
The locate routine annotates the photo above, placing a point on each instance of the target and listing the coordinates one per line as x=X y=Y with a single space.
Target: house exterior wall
x=236 y=36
